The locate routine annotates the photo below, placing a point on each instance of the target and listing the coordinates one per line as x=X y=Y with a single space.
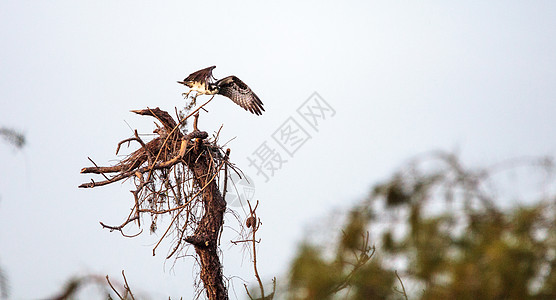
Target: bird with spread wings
x=203 y=83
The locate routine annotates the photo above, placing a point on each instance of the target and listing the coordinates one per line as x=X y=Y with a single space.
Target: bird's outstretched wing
x=201 y=76
x=235 y=89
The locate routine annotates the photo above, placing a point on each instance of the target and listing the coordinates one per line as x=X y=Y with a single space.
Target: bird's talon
x=186 y=95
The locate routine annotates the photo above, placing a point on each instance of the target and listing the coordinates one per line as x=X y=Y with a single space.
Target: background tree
x=13 y=137
x=16 y=139
x=447 y=229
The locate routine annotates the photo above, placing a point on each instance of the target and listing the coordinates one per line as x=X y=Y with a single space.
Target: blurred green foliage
x=445 y=231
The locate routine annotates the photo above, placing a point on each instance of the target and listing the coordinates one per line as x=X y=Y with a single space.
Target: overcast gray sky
x=403 y=78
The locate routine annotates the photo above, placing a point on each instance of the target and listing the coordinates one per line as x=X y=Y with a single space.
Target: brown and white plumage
x=235 y=89
x=199 y=81
x=202 y=82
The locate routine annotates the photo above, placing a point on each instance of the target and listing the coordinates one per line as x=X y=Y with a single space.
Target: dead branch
x=253 y=222
x=401 y=283
x=126 y=286
x=120 y=228
x=255 y=226
x=138 y=158
x=113 y=288
x=170 y=173
x=127 y=289
x=75 y=285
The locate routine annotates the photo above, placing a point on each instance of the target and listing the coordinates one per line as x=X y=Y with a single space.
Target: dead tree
x=177 y=175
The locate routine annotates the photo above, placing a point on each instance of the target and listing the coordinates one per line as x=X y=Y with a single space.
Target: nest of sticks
x=175 y=174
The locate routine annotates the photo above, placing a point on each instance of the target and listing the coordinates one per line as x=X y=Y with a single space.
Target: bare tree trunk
x=198 y=156
x=205 y=239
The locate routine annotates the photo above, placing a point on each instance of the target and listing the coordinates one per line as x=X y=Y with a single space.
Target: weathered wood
x=173 y=147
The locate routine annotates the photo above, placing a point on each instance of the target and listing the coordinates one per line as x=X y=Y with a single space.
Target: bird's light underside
x=203 y=83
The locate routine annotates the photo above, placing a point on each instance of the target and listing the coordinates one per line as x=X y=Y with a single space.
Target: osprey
x=203 y=83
